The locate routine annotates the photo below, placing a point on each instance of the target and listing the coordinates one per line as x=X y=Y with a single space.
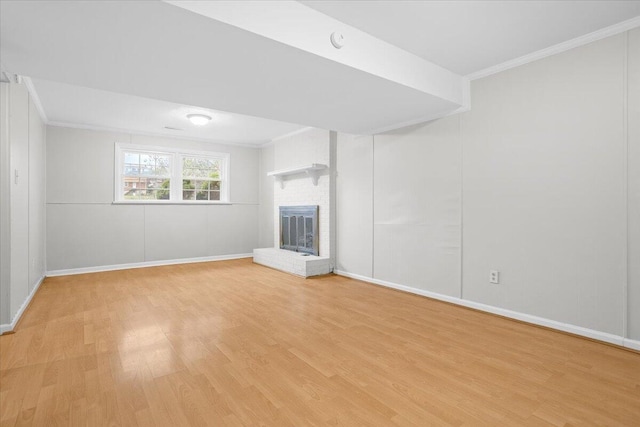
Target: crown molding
x=54 y=123
x=4 y=74
x=558 y=48
x=417 y=121
x=287 y=135
x=35 y=98
x=36 y=101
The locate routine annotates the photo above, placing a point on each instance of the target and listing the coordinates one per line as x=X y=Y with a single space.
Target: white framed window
x=146 y=174
x=201 y=177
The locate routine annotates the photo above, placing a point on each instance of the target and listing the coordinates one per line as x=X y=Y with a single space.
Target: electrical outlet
x=494 y=276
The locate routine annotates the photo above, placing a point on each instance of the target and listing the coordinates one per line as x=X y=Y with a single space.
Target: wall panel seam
x=144 y=232
x=29 y=262
x=373 y=206
x=625 y=130
x=461 y=203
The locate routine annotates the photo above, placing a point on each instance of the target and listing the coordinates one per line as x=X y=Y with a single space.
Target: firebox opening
x=299 y=229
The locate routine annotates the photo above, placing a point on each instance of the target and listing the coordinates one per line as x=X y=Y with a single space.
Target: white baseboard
x=541 y=321
x=629 y=343
x=577 y=330
x=84 y=270
x=10 y=326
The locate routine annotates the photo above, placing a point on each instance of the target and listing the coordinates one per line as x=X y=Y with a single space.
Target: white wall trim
x=466 y=106
x=267 y=144
x=254 y=144
x=417 y=121
x=35 y=98
x=541 y=321
x=287 y=135
x=408 y=123
x=11 y=326
x=629 y=343
x=558 y=48
x=628 y=195
x=84 y=270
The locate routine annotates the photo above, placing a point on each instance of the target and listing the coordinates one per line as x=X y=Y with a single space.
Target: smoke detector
x=337 y=39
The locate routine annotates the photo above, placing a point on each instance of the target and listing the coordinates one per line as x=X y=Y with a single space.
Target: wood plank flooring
x=237 y=344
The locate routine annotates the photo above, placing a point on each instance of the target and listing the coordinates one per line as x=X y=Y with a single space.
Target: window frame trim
x=177 y=155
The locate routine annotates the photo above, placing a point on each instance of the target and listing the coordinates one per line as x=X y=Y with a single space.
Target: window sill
x=160 y=202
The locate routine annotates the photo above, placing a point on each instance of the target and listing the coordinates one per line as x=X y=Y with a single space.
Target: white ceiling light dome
x=199 y=119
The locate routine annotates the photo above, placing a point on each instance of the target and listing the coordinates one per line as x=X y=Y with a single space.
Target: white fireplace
x=303 y=189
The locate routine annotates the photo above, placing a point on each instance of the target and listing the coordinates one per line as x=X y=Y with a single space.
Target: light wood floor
x=237 y=344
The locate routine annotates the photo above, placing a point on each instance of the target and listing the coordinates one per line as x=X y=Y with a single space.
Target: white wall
x=354 y=202
x=417 y=206
x=85 y=228
x=37 y=196
x=544 y=188
x=539 y=166
x=5 y=223
x=23 y=213
x=633 y=122
x=266 y=197
x=19 y=194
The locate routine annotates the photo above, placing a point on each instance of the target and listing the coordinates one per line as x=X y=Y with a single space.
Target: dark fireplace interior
x=299 y=229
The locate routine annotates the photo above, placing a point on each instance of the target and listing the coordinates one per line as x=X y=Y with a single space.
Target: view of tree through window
x=159 y=174
x=147 y=176
x=200 y=178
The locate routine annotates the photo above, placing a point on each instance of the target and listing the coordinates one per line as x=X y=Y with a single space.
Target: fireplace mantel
x=313 y=171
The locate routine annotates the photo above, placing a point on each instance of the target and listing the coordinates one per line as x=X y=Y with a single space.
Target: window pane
x=199 y=167
x=194 y=173
x=146 y=189
x=203 y=193
x=148 y=164
x=131 y=169
x=133 y=158
x=157 y=195
x=199 y=189
x=188 y=189
x=154 y=164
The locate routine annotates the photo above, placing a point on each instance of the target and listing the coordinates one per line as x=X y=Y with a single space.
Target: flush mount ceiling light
x=199 y=119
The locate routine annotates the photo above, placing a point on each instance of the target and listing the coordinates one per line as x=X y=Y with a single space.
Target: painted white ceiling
x=469 y=36
x=136 y=65
x=157 y=50
x=66 y=104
